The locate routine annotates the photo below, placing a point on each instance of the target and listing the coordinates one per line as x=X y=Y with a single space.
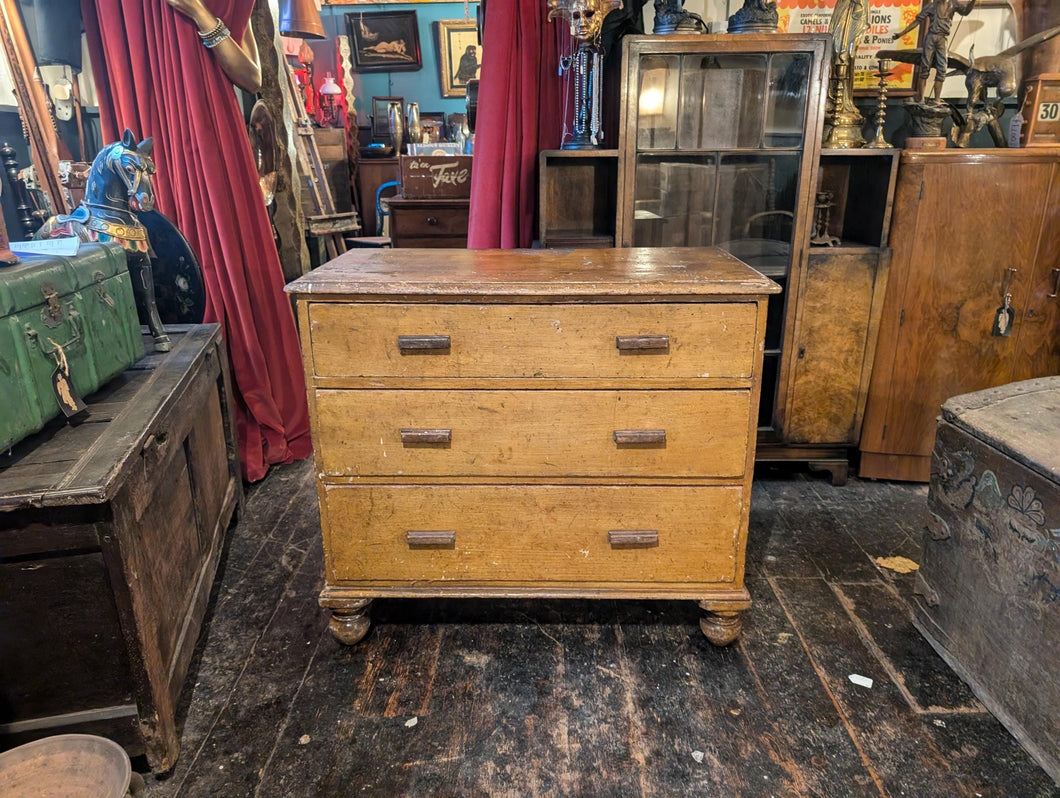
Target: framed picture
x=380 y=122
x=384 y=41
x=886 y=17
x=459 y=54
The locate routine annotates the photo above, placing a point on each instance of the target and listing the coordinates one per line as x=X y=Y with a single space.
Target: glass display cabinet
x=720 y=143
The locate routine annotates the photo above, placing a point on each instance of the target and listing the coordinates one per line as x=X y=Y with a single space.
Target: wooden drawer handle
x=633 y=538
x=420 y=343
x=640 y=436
x=430 y=538
x=414 y=436
x=636 y=343
x=432 y=220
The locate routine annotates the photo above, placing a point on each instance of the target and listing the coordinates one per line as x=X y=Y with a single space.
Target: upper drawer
x=533 y=433
x=564 y=341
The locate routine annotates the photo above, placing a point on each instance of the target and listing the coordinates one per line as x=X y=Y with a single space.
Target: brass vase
x=395 y=118
x=412 y=123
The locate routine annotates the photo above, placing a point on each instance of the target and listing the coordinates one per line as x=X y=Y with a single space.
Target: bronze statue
x=756 y=16
x=996 y=72
x=934 y=48
x=671 y=17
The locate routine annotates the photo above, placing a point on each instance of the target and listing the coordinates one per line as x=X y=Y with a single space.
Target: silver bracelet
x=212 y=31
x=217 y=36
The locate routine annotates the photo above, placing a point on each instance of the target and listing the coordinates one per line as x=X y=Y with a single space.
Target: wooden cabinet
x=434 y=222
x=549 y=423
x=577 y=198
x=720 y=145
x=110 y=536
x=969 y=227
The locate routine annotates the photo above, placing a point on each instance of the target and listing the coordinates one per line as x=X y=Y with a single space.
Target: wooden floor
x=584 y=698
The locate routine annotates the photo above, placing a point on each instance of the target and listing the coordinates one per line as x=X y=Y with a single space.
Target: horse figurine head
x=120 y=177
x=118 y=185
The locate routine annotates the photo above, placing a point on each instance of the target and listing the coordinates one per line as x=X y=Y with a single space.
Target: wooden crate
x=436 y=176
x=988 y=589
x=110 y=536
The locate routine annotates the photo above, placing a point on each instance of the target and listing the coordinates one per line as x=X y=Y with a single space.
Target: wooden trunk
x=538 y=423
x=110 y=535
x=989 y=584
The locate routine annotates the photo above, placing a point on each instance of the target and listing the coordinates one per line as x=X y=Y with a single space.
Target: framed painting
x=886 y=17
x=384 y=41
x=459 y=55
x=380 y=120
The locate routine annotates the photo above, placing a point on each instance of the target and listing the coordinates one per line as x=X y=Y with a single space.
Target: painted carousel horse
x=118 y=184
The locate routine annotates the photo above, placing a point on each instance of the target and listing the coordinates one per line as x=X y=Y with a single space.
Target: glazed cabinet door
x=719 y=145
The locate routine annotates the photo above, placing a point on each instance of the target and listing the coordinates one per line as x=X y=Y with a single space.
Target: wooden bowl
x=65 y=766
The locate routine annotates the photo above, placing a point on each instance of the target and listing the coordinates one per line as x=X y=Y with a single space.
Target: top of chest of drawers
x=551 y=275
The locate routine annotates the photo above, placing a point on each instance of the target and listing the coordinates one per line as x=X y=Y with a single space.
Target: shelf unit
x=577 y=198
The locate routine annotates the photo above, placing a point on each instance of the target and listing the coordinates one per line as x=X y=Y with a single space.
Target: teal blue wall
x=423 y=86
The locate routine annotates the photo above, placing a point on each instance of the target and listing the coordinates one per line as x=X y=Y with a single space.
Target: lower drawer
x=497 y=535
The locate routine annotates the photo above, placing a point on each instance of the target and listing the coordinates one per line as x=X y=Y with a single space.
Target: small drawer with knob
x=428 y=222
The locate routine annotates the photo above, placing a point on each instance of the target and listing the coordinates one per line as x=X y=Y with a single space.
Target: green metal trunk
x=78 y=313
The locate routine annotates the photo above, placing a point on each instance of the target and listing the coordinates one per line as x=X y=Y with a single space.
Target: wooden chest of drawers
x=546 y=423
x=434 y=222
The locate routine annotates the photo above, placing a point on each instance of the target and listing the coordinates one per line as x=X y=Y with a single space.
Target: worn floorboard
x=591 y=698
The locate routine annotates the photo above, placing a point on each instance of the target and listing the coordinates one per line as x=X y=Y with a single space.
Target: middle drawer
x=677 y=433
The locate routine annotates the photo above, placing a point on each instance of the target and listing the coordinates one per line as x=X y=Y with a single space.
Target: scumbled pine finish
x=564 y=423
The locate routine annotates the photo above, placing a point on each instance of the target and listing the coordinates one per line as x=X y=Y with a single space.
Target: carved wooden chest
x=534 y=423
x=989 y=584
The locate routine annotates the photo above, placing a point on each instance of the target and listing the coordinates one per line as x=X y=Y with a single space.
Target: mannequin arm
x=239 y=60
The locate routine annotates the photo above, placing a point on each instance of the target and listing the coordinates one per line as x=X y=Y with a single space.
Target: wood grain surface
x=533 y=537
x=462 y=275
x=557 y=341
x=946 y=285
x=533 y=433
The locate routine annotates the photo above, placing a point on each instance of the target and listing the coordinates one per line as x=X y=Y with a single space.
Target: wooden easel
x=326 y=223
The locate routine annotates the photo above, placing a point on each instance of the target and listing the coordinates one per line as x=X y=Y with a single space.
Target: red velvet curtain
x=520 y=113
x=155 y=77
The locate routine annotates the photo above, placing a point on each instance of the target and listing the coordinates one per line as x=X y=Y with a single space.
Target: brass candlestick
x=879 y=142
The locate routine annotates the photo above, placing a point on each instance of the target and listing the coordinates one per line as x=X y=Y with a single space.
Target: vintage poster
x=886 y=17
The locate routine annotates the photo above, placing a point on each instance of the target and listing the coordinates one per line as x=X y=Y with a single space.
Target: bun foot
x=350 y=624
x=721 y=628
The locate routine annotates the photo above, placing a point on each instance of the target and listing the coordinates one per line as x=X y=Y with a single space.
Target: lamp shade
x=301 y=19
